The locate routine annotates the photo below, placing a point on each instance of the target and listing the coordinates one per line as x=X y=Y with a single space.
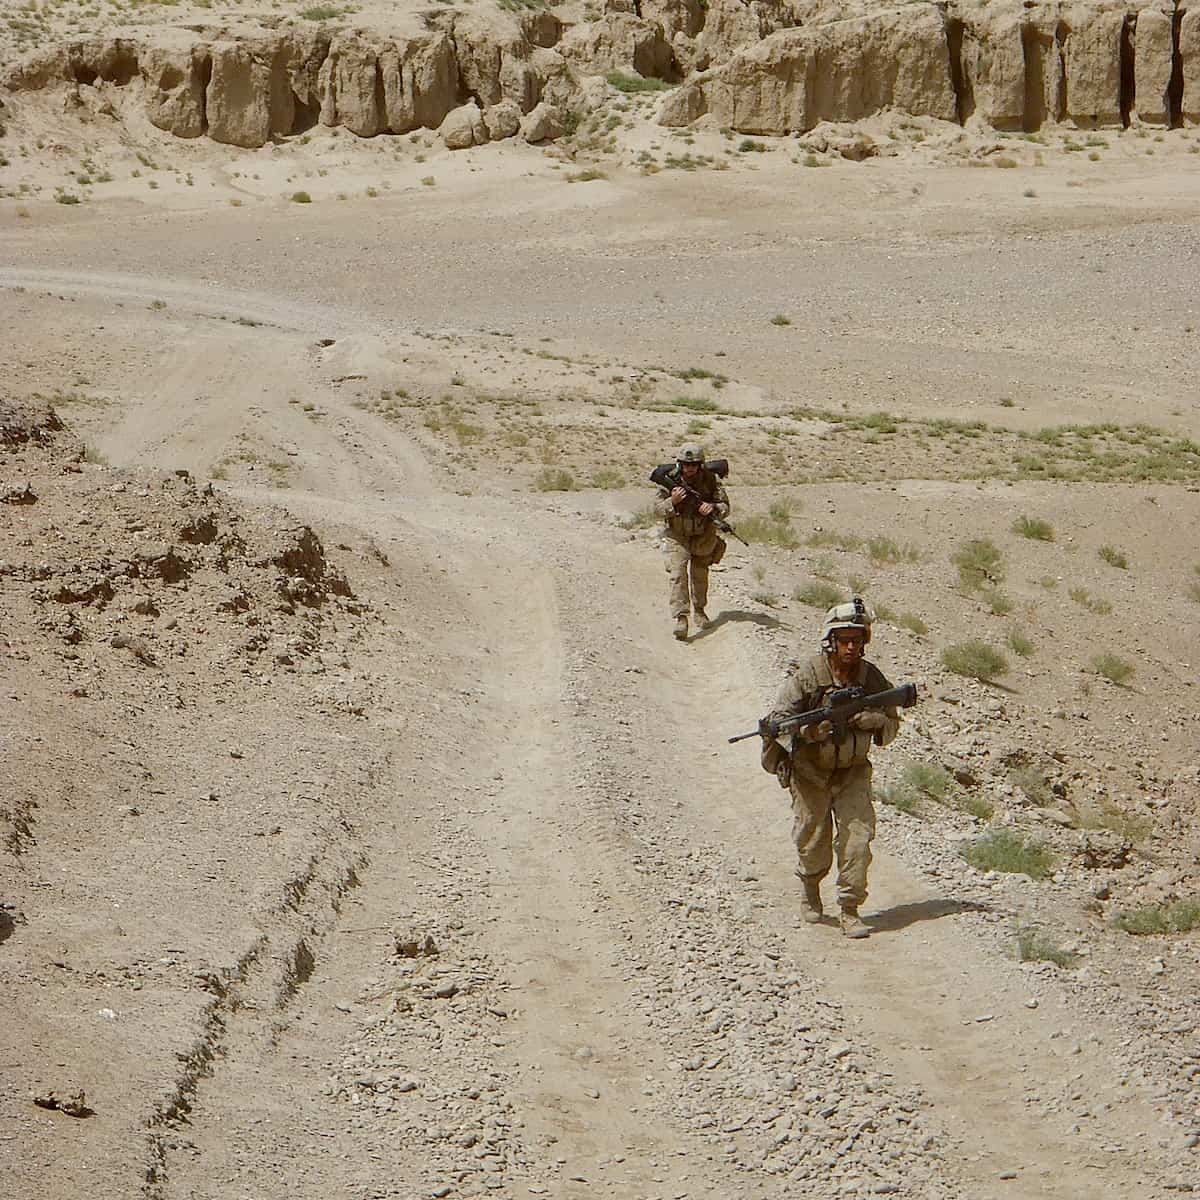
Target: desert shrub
x=830 y=537
x=930 y=778
x=1018 y=643
x=979 y=564
x=780 y=510
x=999 y=602
x=768 y=530
x=912 y=622
x=696 y=403
x=1096 y=605
x=1036 y=945
x=551 y=480
x=883 y=551
x=608 y=477
x=1114 y=557
x=586 y=176
x=624 y=82
x=301 y=198
x=780 y=319
x=975 y=660
x=819 y=594
x=767 y=599
x=1115 y=669
x=897 y=796
x=1180 y=917
x=1005 y=851
x=320 y=12
x=1032 y=527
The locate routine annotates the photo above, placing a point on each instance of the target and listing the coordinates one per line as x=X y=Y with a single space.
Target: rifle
x=666 y=476
x=843 y=704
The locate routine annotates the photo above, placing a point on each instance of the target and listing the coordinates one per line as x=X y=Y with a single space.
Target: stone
x=238 y=99
x=502 y=120
x=842 y=71
x=463 y=127
x=1189 y=53
x=420 y=81
x=1092 y=54
x=175 y=83
x=354 y=80
x=1152 y=51
x=619 y=42
x=543 y=124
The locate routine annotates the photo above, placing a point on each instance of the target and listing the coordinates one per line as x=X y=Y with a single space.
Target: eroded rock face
x=797 y=78
x=751 y=64
x=176 y=82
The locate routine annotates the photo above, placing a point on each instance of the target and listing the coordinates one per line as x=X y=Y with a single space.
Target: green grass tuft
x=1018 y=643
x=819 y=594
x=551 y=480
x=975 y=660
x=1032 y=527
x=629 y=84
x=979 y=564
x=1114 y=669
x=1180 y=917
x=780 y=319
x=1114 y=557
x=1035 y=945
x=1007 y=852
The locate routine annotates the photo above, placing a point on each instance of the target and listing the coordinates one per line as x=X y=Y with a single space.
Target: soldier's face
x=848 y=649
x=690 y=470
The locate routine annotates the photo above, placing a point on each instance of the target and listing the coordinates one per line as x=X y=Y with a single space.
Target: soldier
x=829 y=774
x=692 y=539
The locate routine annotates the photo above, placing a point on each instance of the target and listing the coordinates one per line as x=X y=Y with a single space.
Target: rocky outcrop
x=1189 y=54
x=751 y=64
x=617 y=42
x=839 y=72
x=502 y=120
x=544 y=124
x=176 y=83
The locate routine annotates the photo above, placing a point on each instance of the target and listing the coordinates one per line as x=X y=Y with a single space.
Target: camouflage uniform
x=831 y=781
x=692 y=539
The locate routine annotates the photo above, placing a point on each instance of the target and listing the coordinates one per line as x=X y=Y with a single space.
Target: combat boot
x=853 y=925
x=680 y=629
x=702 y=621
x=811 y=908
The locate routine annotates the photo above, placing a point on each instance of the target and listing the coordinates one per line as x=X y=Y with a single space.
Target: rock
x=1189 y=53
x=420 y=82
x=842 y=71
x=463 y=127
x=21 y=493
x=675 y=16
x=1104 y=849
x=352 y=88
x=444 y=991
x=1152 y=50
x=238 y=97
x=73 y=1103
x=543 y=124
x=502 y=120
x=175 y=83
x=617 y=43
x=415 y=945
x=1092 y=56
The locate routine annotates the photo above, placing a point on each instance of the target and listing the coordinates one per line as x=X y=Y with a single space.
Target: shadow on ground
x=738 y=616
x=891 y=920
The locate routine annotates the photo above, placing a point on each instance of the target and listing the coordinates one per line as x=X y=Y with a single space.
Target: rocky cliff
x=1008 y=66
x=757 y=66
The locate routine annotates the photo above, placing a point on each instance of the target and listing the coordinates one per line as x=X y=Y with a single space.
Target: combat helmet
x=854 y=614
x=691 y=453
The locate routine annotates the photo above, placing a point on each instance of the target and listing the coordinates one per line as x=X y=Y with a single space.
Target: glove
x=768 y=729
x=870 y=720
x=820 y=732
